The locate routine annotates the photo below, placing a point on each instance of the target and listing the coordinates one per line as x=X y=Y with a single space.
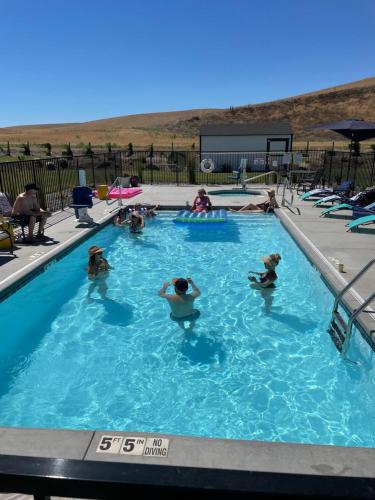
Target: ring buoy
x=207 y=165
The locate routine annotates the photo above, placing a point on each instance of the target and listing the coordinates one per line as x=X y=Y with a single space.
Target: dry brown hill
x=141 y=130
x=351 y=100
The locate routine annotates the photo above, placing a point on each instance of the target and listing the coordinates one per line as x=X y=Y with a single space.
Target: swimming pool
x=257 y=367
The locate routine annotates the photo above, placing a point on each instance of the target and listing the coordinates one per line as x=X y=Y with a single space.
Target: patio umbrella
x=355 y=130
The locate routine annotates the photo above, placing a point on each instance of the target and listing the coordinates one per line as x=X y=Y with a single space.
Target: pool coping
x=332 y=278
x=192 y=462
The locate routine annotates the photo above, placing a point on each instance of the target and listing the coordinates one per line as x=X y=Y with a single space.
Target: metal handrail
x=346 y=288
x=244 y=181
x=286 y=203
x=349 y=326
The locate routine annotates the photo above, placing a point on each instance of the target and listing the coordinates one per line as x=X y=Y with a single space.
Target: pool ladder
x=339 y=329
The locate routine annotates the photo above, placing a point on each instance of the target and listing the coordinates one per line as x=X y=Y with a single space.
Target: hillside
x=351 y=100
x=354 y=100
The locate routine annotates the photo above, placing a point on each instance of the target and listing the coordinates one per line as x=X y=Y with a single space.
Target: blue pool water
x=258 y=367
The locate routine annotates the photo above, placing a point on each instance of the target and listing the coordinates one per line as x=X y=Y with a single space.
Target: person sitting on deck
x=268 y=277
x=27 y=211
x=5 y=206
x=202 y=202
x=267 y=206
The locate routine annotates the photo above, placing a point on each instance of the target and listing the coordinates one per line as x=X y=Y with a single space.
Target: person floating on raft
x=267 y=278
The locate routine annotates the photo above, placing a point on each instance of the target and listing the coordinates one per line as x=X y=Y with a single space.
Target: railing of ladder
x=284 y=201
x=264 y=174
x=341 y=331
x=119 y=182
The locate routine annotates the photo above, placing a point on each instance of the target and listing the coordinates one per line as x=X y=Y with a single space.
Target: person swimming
x=136 y=223
x=97 y=271
x=268 y=277
x=121 y=216
x=181 y=303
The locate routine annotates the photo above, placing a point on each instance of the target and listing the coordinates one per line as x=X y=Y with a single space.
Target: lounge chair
x=7 y=237
x=361 y=216
x=360 y=199
x=310 y=181
x=346 y=206
x=344 y=188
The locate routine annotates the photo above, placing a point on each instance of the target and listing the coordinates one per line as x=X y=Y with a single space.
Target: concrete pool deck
x=284 y=468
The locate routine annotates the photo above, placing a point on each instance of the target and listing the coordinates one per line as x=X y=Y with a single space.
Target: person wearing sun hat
x=97 y=271
x=267 y=206
x=267 y=278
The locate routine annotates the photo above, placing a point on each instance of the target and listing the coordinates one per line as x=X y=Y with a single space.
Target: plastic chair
x=81 y=201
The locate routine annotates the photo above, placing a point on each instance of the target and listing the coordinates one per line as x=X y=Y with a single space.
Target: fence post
x=60 y=185
x=373 y=169
x=93 y=171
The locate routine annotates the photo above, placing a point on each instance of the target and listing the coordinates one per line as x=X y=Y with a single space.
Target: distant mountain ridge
x=350 y=100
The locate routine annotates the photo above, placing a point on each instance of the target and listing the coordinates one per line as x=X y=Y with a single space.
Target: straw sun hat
x=94 y=249
x=272 y=259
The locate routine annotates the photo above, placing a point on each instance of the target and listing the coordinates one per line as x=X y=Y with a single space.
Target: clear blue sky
x=80 y=60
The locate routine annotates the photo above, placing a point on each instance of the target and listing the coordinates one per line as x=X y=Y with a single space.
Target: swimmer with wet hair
x=181 y=303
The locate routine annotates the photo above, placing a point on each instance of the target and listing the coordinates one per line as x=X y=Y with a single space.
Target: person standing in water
x=268 y=277
x=181 y=303
x=97 y=272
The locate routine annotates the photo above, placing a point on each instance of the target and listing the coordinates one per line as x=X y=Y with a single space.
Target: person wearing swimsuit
x=97 y=272
x=181 y=303
x=202 y=202
x=267 y=278
x=267 y=206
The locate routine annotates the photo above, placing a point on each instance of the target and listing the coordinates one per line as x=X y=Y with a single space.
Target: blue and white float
x=217 y=216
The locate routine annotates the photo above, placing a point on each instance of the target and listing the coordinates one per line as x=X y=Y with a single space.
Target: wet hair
x=181 y=284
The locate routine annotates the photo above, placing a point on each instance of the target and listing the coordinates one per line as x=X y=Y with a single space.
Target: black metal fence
x=57 y=176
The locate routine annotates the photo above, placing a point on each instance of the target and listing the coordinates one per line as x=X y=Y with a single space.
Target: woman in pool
x=202 y=202
x=136 y=223
x=97 y=271
x=267 y=206
x=268 y=277
x=120 y=218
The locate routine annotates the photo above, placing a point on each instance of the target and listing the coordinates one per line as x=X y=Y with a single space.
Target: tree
x=88 y=150
x=130 y=149
x=48 y=146
x=193 y=145
x=109 y=147
x=68 y=151
x=26 y=149
x=8 y=149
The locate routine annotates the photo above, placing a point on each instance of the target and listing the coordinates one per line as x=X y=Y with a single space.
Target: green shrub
x=26 y=149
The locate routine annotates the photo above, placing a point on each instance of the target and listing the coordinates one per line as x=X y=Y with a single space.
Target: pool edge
x=193 y=463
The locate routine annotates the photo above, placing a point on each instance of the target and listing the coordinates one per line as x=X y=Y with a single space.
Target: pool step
x=337 y=330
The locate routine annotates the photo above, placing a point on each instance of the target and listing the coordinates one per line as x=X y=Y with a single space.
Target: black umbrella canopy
x=355 y=130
